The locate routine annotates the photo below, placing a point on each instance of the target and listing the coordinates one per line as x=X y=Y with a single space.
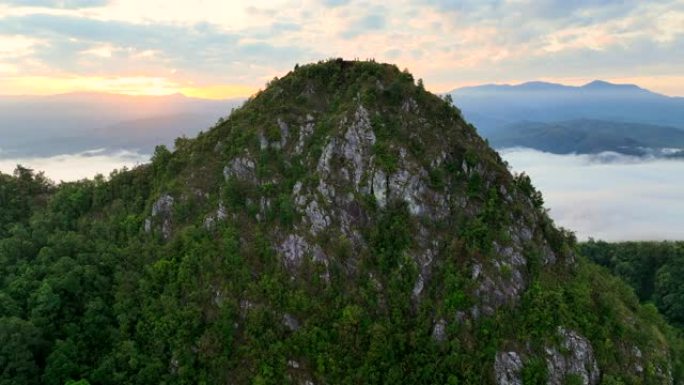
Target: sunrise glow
x=217 y=49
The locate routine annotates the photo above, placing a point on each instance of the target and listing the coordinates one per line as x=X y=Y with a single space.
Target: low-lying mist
x=608 y=196
x=71 y=167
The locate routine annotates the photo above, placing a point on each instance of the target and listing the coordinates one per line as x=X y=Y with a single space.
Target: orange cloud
x=235 y=48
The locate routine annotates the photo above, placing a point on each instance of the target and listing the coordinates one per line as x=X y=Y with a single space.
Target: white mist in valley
x=72 y=167
x=609 y=196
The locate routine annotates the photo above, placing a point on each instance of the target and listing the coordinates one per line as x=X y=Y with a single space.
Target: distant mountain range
x=69 y=123
x=598 y=116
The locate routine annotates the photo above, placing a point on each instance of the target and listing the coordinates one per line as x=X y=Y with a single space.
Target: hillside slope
x=344 y=226
x=653 y=269
x=586 y=136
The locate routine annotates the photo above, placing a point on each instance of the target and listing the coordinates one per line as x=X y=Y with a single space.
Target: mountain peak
x=604 y=85
x=526 y=86
x=598 y=84
x=378 y=202
x=595 y=85
x=540 y=85
x=343 y=226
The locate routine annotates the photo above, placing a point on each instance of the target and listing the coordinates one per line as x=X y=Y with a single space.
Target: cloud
x=448 y=43
x=365 y=24
x=613 y=197
x=117 y=32
x=65 y=4
x=546 y=9
x=72 y=167
x=372 y=22
x=335 y=3
x=279 y=27
x=199 y=48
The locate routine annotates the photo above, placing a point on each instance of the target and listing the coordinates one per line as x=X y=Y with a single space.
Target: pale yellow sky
x=220 y=49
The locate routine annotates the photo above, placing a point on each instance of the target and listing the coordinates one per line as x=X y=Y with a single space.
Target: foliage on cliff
x=343 y=226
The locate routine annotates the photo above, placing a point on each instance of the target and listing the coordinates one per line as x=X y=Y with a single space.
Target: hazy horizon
x=561 y=82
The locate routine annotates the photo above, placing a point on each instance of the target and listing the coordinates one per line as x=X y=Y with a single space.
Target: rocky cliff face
x=394 y=233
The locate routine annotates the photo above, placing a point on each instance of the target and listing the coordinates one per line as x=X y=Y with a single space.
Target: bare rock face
x=425 y=264
x=357 y=141
x=409 y=105
x=344 y=160
x=209 y=222
x=409 y=184
x=408 y=187
x=293 y=250
x=507 y=368
x=290 y=322
x=502 y=281
x=379 y=187
x=347 y=166
x=263 y=142
x=212 y=219
x=241 y=168
x=284 y=132
x=318 y=218
x=221 y=212
x=577 y=360
x=573 y=358
x=161 y=213
x=315 y=216
x=163 y=205
x=353 y=150
x=439 y=331
x=305 y=131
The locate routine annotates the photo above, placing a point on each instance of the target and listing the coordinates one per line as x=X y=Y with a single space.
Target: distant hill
x=502 y=112
x=532 y=114
x=493 y=106
x=587 y=136
x=67 y=123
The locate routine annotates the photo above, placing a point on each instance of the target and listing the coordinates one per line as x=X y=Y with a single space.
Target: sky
x=613 y=198
x=224 y=49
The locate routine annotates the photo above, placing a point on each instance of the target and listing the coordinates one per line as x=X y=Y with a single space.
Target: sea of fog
x=71 y=167
x=607 y=196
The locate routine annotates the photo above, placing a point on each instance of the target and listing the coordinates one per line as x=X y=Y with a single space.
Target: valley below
x=607 y=196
